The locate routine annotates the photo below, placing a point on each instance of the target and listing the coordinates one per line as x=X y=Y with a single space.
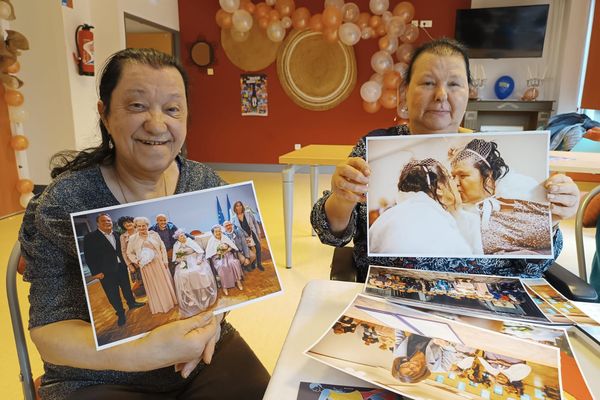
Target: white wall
x=62 y=104
x=563 y=54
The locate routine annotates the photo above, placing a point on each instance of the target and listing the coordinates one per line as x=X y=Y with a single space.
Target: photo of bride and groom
x=476 y=195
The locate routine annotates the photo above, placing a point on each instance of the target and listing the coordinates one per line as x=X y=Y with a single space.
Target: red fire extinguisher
x=84 y=40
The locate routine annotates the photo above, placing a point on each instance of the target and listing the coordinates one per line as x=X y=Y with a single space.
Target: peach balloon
x=224 y=19
x=405 y=52
x=389 y=98
x=274 y=15
x=24 y=185
x=285 y=7
x=367 y=33
x=13 y=98
x=330 y=34
x=19 y=142
x=374 y=21
x=261 y=10
x=410 y=34
x=350 y=12
x=332 y=17
x=391 y=80
x=248 y=6
x=388 y=44
x=404 y=10
x=380 y=30
x=363 y=20
x=263 y=22
x=300 y=18
x=371 y=108
x=316 y=23
x=13 y=68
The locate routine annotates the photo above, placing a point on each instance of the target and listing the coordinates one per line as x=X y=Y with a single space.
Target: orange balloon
x=316 y=23
x=248 y=6
x=263 y=22
x=24 y=186
x=371 y=108
x=380 y=30
x=274 y=15
x=300 y=18
x=13 y=68
x=363 y=20
x=13 y=98
x=374 y=21
x=389 y=98
x=223 y=19
x=261 y=10
x=391 y=80
x=285 y=7
x=330 y=34
x=19 y=142
x=332 y=17
x=383 y=42
x=405 y=10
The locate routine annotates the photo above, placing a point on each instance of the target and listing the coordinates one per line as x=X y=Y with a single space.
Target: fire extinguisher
x=84 y=41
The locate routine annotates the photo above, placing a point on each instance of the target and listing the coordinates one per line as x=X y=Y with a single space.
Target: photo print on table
x=485 y=296
x=376 y=341
x=459 y=195
x=147 y=263
x=328 y=391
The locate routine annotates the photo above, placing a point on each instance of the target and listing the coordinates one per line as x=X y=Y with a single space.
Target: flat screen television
x=503 y=32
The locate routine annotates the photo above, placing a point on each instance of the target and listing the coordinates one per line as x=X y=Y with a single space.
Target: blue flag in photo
x=220 y=215
x=228 y=209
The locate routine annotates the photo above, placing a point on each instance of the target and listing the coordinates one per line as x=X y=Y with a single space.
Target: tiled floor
x=264 y=324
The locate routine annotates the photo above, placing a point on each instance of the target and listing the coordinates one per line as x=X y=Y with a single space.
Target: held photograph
x=372 y=341
x=471 y=294
x=458 y=195
x=151 y=262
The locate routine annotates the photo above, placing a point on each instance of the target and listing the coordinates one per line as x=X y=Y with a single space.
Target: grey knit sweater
x=52 y=268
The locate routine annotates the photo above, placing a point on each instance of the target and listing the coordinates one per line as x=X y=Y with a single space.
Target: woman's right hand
x=350 y=180
x=183 y=340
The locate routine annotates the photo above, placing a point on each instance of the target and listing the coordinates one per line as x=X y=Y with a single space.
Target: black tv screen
x=503 y=32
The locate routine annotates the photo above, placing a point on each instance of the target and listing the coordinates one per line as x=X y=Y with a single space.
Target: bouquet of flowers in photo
x=222 y=249
x=180 y=255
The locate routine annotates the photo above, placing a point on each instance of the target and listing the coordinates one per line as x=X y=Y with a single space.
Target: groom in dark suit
x=102 y=250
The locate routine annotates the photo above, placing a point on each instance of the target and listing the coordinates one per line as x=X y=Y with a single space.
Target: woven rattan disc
x=316 y=74
x=255 y=53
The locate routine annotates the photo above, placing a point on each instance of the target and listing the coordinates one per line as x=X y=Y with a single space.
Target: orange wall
x=217 y=131
x=9 y=200
x=591 y=94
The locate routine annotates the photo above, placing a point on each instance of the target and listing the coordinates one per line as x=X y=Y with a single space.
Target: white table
x=321 y=303
x=313 y=155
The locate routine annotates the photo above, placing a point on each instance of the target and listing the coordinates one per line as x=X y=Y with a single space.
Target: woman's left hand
x=563 y=195
x=185 y=369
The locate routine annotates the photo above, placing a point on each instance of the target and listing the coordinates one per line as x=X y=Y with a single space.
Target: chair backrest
x=579 y=232
x=17 y=323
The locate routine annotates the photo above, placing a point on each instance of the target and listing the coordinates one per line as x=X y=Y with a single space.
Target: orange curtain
x=591 y=89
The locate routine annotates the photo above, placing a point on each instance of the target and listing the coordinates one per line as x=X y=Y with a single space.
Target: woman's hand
x=184 y=341
x=350 y=180
x=563 y=195
x=186 y=368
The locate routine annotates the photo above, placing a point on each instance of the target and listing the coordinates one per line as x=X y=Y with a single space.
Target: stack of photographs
x=437 y=335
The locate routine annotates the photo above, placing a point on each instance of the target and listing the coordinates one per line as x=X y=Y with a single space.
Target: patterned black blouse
x=357 y=231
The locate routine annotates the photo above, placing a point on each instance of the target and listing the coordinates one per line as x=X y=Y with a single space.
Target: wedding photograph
x=150 y=262
x=455 y=195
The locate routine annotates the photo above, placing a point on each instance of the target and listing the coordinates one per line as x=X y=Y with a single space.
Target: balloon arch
x=345 y=22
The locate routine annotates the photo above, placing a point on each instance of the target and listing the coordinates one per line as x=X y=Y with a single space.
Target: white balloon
x=378 y=7
x=286 y=22
x=239 y=36
x=367 y=33
x=349 y=33
x=401 y=68
x=395 y=26
x=4 y=10
x=350 y=12
x=17 y=114
x=381 y=61
x=242 y=20
x=25 y=199
x=370 y=91
x=386 y=16
x=276 y=31
x=393 y=44
x=229 y=5
x=336 y=3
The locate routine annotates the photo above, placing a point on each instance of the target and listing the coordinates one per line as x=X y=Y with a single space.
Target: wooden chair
x=570 y=285
x=14 y=269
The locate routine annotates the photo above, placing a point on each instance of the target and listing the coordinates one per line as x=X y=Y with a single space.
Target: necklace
x=121 y=187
